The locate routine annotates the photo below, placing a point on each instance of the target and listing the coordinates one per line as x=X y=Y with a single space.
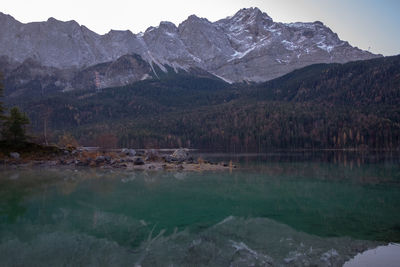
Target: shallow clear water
x=276 y=209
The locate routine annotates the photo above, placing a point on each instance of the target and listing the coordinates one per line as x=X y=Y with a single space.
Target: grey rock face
x=207 y=43
x=180 y=155
x=125 y=70
x=248 y=46
x=129 y=152
x=265 y=49
x=32 y=78
x=52 y=43
x=119 y=43
x=165 y=47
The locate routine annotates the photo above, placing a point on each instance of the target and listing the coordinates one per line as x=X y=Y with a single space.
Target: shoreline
x=128 y=159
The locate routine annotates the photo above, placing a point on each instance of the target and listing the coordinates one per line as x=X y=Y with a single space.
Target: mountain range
x=241 y=84
x=51 y=56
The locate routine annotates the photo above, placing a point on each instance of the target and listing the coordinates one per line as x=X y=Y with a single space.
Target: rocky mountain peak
x=204 y=40
x=9 y=22
x=166 y=30
x=64 y=25
x=168 y=27
x=52 y=20
x=117 y=36
x=246 y=19
x=193 y=19
x=162 y=28
x=319 y=22
x=4 y=16
x=251 y=14
x=247 y=46
x=247 y=25
x=167 y=24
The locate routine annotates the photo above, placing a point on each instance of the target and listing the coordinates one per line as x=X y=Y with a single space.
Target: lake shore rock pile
x=130 y=159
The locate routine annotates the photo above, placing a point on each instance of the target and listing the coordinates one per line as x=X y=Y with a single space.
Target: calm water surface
x=275 y=210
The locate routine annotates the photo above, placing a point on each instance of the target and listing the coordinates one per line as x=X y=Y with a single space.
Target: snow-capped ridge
x=248 y=45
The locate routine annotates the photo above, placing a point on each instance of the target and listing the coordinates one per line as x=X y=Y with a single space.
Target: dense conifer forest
x=324 y=106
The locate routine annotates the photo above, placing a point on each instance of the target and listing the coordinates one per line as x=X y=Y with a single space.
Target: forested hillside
x=325 y=106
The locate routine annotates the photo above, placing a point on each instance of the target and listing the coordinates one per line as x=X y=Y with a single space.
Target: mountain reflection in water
x=274 y=210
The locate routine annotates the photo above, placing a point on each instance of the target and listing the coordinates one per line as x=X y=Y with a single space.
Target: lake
x=276 y=209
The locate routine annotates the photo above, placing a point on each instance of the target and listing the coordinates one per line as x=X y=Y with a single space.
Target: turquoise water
x=295 y=210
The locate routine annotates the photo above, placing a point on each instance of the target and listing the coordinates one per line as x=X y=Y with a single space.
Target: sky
x=372 y=25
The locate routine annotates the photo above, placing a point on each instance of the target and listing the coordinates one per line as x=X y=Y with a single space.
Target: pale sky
x=369 y=24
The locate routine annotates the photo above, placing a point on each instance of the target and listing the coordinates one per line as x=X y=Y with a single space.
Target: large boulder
x=132 y=152
x=169 y=159
x=100 y=159
x=181 y=154
x=129 y=152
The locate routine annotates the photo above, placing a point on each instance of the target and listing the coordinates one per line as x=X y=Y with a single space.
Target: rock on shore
x=125 y=158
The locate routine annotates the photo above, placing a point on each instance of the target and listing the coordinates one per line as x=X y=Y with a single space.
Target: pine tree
x=14 y=126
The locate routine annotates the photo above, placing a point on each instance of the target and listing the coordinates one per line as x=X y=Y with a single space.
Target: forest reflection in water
x=274 y=209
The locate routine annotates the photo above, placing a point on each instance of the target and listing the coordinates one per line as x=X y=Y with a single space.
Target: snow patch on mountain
x=246 y=46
